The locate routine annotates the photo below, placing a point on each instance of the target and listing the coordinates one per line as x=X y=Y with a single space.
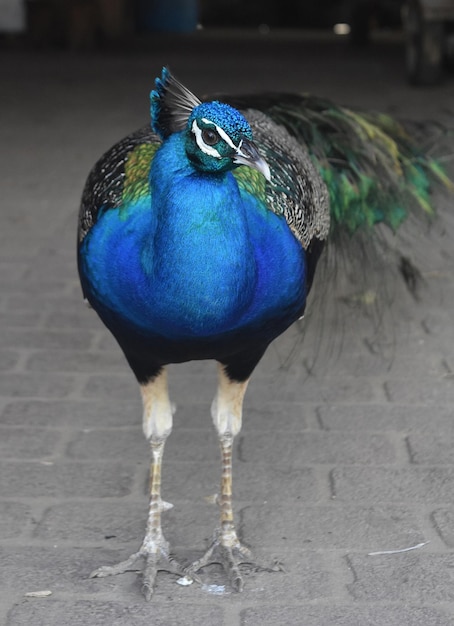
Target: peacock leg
x=157 y=425
x=226 y=549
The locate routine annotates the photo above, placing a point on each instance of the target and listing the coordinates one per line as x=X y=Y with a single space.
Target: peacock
x=199 y=238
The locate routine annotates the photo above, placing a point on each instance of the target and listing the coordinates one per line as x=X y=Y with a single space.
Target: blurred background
x=424 y=28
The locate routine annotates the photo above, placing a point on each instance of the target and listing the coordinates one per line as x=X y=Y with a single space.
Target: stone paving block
x=407 y=577
x=385 y=417
x=182 y=446
x=435 y=320
x=36 y=384
x=35 y=412
x=114 y=387
x=12 y=272
x=82 y=318
x=413 y=360
x=348 y=527
x=411 y=485
x=77 y=361
x=443 y=521
x=42 y=302
x=46 y=285
x=306 y=578
x=344 y=615
x=194 y=389
x=8 y=359
x=92 y=480
x=250 y=483
x=421 y=390
x=101 y=522
x=54 y=267
x=16 y=272
x=31 y=568
x=189 y=524
x=44 y=339
x=22 y=319
x=283 y=387
x=201 y=479
x=107 y=444
x=14 y=518
x=318 y=447
x=274 y=484
x=323 y=389
x=80 y=414
x=432 y=449
x=362 y=364
x=27 y=443
x=52 y=612
x=293 y=416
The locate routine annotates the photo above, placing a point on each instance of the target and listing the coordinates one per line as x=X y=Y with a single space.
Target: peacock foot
x=157 y=558
x=227 y=551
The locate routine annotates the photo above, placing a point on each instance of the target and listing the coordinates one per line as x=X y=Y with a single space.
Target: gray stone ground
x=355 y=458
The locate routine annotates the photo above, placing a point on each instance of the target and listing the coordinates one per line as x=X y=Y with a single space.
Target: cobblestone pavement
x=353 y=459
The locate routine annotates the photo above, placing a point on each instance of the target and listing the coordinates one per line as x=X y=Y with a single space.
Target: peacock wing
x=296 y=190
x=119 y=177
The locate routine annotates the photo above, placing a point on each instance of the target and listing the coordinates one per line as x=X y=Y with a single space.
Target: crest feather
x=171 y=105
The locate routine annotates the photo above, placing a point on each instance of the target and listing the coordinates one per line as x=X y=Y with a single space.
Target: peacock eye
x=210 y=137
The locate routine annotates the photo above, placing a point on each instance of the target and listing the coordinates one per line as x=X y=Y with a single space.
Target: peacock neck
x=178 y=186
x=194 y=210
x=201 y=248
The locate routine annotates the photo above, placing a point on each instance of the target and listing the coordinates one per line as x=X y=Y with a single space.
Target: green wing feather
x=119 y=178
x=137 y=169
x=252 y=181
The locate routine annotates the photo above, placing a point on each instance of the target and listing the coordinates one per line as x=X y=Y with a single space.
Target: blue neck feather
x=198 y=240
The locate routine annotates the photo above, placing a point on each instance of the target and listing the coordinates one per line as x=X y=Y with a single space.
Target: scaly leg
x=226 y=548
x=157 y=425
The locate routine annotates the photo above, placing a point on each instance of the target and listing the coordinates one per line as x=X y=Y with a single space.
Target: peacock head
x=217 y=137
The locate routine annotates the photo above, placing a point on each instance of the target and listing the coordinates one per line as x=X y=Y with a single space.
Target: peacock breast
x=195 y=264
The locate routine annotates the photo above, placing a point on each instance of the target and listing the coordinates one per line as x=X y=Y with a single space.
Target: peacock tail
x=374 y=169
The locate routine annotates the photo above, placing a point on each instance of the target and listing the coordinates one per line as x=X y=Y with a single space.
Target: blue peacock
x=199 y=238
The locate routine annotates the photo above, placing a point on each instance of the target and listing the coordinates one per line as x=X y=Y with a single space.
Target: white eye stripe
x=202 y=145
x=222 y=134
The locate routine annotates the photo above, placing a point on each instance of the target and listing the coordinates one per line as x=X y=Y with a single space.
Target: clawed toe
x=154 y=562
x=118 y=568
x=230 y=557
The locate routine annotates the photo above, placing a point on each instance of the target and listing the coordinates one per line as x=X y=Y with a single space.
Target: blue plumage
x=199 y=238
x=196 y=257
x=182 y=258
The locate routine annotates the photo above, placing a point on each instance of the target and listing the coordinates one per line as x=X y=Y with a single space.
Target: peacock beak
x=247 y=154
